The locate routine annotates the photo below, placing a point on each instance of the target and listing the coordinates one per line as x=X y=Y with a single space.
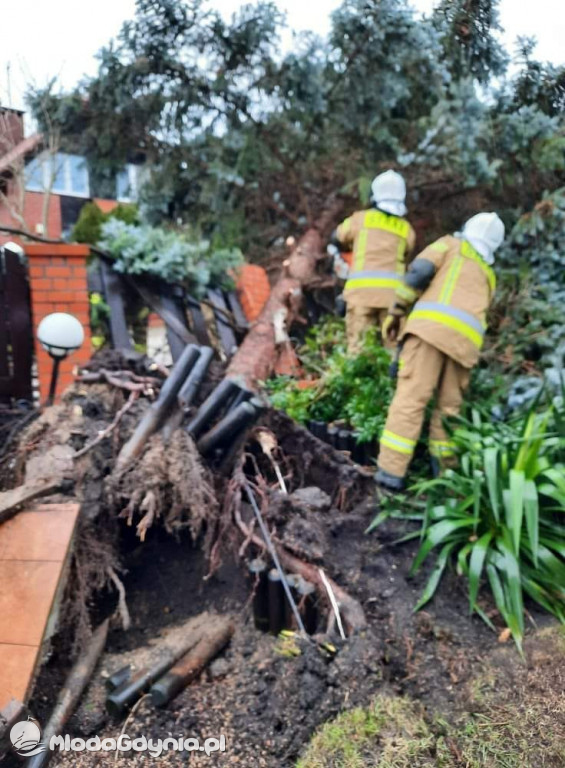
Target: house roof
x=12 y=109
x=20 y=151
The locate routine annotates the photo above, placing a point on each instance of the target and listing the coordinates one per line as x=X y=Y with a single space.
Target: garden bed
x=266 y=696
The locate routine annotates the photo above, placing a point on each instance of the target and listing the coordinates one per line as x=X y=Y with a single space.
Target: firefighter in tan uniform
x=449 y=286
x=381 y=240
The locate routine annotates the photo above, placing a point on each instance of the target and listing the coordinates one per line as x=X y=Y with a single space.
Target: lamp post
x=59 y=334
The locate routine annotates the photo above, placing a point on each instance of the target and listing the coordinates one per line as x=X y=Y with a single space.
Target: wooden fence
x=16 y=334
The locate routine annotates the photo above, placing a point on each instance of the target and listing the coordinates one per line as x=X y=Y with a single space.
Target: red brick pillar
x=253 y=289
x=58 y=283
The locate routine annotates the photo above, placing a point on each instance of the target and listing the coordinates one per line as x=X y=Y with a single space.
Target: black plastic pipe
x=258 y=574
x=226 y=431
x=156 y=413
x=118 y=678
x=276 y=602
x=293 y=582
x=191 y=664
x=214 y=404
x=321 y=430
x=242 y=396
x=190 y=388
x=343 y=441
x=332 y=434
x=307 y=605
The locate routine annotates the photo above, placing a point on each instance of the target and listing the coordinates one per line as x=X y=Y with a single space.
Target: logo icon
x=26 y=738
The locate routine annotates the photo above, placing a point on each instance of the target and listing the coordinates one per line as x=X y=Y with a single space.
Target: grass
x=391 y=733
x=515 y=718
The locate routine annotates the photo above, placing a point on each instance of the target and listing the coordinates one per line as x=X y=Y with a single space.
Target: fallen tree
x=257 y=356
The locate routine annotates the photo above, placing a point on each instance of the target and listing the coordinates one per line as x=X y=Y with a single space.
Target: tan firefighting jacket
x=451 y=312
x=381 y=244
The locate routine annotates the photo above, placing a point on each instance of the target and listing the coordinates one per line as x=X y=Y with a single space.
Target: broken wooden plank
x=11 y=501
x=113 y=292
x=198 y=322
x=170 y=318
x=236 y=309
x=225 y=330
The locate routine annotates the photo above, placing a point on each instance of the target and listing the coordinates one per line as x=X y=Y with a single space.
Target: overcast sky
x=59 y=38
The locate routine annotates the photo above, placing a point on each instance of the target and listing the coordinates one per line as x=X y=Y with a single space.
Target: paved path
x=34 y=556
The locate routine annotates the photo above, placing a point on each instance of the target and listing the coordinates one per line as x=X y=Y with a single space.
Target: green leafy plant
x=167 y=254
x=355 y=389
x=497 y=515
x=99 y=318
x=88 y=228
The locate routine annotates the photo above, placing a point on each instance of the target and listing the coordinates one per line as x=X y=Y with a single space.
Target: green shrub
x=357 y=390
x=498 y=514
x=536 y=241
x=88 y=228
x=167 y=254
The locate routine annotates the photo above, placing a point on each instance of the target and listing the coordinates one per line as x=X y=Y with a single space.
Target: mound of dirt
x=265 y=695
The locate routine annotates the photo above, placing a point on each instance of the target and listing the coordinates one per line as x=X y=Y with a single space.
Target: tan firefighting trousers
x=358 y=320
x=423 y=369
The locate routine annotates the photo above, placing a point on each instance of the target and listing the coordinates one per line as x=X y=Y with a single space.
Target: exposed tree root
x=109 y=429
x=351 y=609
x=95 y=557
x=167 y=483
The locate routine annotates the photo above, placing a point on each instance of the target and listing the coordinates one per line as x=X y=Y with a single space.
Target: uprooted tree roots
x=168 y=483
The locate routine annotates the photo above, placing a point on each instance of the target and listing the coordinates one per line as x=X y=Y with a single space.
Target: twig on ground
x=131 y=382
x=333 y=602
x=110 y=428
x=129 y=719
x=248 y=540
x=122 y=604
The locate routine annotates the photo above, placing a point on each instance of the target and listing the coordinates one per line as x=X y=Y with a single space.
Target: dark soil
x=266 y=700
x=267 y=704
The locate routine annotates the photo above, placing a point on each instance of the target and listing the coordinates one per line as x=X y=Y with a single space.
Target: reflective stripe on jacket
x=451 y=312
x=381 y=243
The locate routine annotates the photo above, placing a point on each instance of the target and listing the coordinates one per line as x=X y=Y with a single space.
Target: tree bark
x=255 y=359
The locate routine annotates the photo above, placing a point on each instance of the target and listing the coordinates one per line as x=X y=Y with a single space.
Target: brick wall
x=33 y=215
x=253 y=289
x=58 y=284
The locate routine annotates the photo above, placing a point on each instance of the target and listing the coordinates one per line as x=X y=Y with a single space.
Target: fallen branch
x=130 y=383
x=155 y=415
x=71 y=692
x=11 y=501
x=110 y=428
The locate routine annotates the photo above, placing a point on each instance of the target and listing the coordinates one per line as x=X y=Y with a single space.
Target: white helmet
x=389 y=192
x=485 y=232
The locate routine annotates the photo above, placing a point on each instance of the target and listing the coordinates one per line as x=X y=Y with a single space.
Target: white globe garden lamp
x=59 y=334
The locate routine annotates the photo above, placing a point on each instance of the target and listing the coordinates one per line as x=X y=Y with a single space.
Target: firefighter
x=446 y=293
x=381 y=240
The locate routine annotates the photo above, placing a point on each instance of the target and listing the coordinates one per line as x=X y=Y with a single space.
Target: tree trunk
x=255 y=359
